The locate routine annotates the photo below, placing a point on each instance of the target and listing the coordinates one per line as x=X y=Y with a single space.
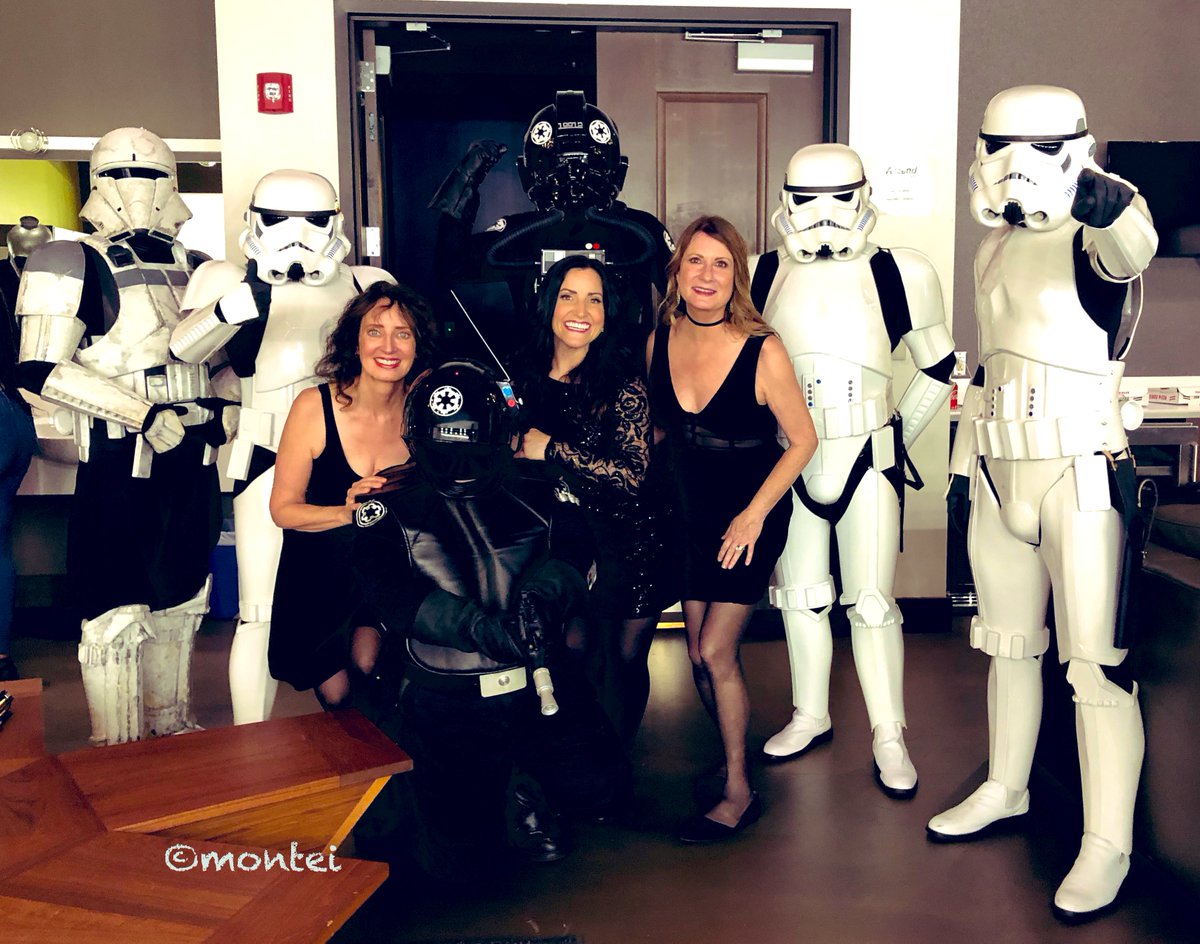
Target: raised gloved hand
x=162 y=427
x=458 y=195
x=958 y=502
x=1099 y=199
x=250 y=301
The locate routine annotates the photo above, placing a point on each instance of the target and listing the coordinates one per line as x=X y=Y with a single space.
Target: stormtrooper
x=842 y=306
x=28 y=235
x=273 y=318
x=474 y=562
x=1042 y=457
x=572 y=169
x=96 y=317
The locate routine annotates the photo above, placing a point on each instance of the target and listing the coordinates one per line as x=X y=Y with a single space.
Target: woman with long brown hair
x=722 y=387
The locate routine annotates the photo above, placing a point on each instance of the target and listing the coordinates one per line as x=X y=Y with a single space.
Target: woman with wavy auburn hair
x=722 y=387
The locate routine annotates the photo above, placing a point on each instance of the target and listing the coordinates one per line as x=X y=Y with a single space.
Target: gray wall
x=1136 y=67
x=83 y=67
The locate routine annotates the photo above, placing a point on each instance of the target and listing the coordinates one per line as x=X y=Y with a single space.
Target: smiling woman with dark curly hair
x=337 y=437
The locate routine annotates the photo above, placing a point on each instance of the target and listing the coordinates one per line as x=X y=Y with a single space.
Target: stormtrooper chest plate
x=148 y=297
x=299 y=323
x=829 y=318
x=1027 y=303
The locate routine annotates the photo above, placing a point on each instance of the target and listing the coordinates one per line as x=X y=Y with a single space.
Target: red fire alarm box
x=275 y=93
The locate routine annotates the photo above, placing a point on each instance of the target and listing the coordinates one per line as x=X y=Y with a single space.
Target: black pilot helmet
x=572 y=156
x=460 y=424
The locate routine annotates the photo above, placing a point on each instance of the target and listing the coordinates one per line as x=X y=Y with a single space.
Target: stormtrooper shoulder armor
x=928 y=340
x=49 y=301
x=365 y=276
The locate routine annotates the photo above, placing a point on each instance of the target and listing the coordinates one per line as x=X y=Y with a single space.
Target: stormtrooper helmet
x=24 y=238
x=459 y=426
x=572 y=156
x=294 y=228
x=1032 y=145
x=825 y=207
x=134 y=188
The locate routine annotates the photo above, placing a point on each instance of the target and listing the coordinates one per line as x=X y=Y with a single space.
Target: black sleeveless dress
x=719 y=459
x=314 y=609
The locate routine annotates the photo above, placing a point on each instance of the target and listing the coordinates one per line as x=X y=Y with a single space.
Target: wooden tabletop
x=131 y=842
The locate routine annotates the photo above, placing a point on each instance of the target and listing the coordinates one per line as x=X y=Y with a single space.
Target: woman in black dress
x=337 y=437
x=722 y=385
x=589 y=416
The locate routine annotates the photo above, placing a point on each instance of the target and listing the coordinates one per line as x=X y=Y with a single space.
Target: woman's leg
x=364 y=648
x=334 y=690
x=633 y=651
x=717 y=646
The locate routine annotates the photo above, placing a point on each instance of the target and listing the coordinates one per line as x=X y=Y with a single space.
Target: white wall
x=903 y=107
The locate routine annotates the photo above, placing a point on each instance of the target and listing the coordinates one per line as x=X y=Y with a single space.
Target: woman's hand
x=739 y=538
x=361 y=487
x=533 y=445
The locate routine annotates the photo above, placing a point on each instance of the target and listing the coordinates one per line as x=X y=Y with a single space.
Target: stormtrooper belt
x=483 y=684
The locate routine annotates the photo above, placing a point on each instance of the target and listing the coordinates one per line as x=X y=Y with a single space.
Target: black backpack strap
x=764 y=275
x=892 y=299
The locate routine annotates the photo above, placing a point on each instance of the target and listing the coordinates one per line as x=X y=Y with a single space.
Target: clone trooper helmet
x=294 y=228
x=825 y=207
x=1032 y=145
x=460 y=425
x=572 y=156
x=24 y=238
x=134 y=188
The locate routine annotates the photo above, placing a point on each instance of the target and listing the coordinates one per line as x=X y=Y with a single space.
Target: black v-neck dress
x=720 y=458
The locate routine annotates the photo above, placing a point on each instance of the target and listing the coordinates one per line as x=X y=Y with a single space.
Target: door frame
x=359 y=159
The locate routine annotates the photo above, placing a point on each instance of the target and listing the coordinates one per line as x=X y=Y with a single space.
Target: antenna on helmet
x=506 y=382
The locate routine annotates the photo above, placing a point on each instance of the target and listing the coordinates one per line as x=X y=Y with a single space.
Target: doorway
x=701 y=134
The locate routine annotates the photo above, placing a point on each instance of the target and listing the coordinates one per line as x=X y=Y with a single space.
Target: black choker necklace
x=704 y=324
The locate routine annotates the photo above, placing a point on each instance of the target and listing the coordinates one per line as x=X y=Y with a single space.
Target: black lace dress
x=604 y=457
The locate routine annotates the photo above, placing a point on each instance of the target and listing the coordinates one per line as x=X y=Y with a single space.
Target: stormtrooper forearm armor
x=1121 y=251
x=77 y=388
x=217 y=303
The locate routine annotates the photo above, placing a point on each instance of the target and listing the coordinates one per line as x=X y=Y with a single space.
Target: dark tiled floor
x=832 y=860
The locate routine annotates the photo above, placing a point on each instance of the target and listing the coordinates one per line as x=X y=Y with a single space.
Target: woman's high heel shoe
x=701 y=829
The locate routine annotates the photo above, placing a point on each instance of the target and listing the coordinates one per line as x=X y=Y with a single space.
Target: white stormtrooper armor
x=841 y=305
x=96 y=317
x=294 y=244
x=1042 y=445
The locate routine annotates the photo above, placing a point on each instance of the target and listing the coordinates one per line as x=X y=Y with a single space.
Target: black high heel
x=701 y=829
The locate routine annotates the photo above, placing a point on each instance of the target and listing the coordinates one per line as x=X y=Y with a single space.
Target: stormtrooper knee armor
x=841 y=306
x=292 y=290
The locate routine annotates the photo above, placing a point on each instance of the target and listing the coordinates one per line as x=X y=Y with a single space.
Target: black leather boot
x=534 y=832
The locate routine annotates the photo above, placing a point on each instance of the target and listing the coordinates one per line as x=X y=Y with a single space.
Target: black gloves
x=1099 y=199
x=458 y=195
x=213 y=430
x=958 y=503
x=258 y=288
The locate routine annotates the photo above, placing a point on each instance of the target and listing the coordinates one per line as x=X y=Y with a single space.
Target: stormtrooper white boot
x=110 y=657
x=1014 y=715
x=167 y=666
x=810 y=655
x=894 y=771
x=1111 y=744
x=878 y=642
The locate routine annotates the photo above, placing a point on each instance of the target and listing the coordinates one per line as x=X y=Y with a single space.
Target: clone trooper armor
x=274 y=316
x=841 y=306
x=1042 y=454
x=96 y=317
x=572 y=169
x=474 y=562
